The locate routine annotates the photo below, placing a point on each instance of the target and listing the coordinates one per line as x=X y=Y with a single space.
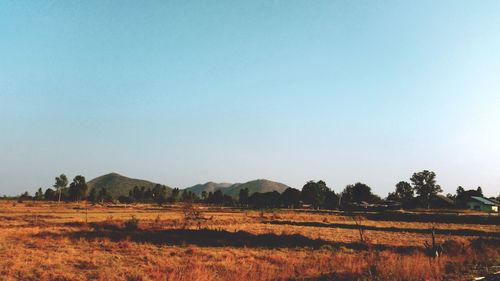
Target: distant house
x=482 y=204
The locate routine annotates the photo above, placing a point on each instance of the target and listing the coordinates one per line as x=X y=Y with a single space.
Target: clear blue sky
x=183 y=92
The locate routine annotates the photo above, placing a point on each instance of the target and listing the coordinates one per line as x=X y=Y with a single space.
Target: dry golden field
x=69 y=241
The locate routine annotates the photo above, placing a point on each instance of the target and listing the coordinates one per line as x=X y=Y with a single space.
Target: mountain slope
x=254 y=186
x=208 y=187
x=233 y=190
x=118 y=185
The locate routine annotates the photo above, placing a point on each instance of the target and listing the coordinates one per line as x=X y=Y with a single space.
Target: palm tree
x=61 y=182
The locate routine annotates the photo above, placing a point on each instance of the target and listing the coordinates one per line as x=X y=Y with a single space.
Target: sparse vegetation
x=230 y=244
x=132 y=224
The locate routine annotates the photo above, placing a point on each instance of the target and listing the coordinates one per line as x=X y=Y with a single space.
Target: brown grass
x=50 y=241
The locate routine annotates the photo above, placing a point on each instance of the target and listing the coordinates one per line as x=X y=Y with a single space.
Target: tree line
x=421 y=191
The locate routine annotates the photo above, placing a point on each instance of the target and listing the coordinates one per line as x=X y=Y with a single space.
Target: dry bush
x=453 y=247
x=158 y=221
x=132 y=224
x=192 y=215
x=358 y=220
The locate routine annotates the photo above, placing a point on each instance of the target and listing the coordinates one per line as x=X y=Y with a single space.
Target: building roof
x=494 y=201
x=483 y=200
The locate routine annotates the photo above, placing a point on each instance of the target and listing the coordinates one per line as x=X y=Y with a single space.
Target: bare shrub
x=157 y=223
x=191 y=215
x=358 y=221
x=434 y=250
x=132 y=224
x=453 y=247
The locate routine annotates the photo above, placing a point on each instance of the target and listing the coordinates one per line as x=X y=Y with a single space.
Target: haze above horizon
x=183 y=93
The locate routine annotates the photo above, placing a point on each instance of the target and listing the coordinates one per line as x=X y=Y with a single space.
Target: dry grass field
x=51 y=241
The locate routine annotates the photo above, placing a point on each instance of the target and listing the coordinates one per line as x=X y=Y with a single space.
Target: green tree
x=159 y=193
x=404 y=193
x=357 y=192
x=175 y=195
x=39 y=194
x=92 y=195
x=136 y=194
x=188 y=196
x=25 y=196
x=331 y=200
x=142 y=194
x=291 y=198
x=148 y=195
x=78 y=188
x=61 y=183
x=50 y=195
x=480 y=191
x=314 y=193
x=104 y=196
x=243 y=196
x=424 y=184
x=463 y=196
x=218 y=197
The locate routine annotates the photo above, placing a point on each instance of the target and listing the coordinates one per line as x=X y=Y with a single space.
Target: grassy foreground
x=51 y=241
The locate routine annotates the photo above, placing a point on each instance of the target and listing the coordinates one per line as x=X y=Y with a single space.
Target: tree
x=188 y=196
x=148 y=195
x=218 y=197
x=92 y=195
x=25 y=196
x=159 y=194
x=404 y=193
x=244 y=194
x=50 y=195
x=265 y=200
x=314 y=193
x=78 y=188
x=125 y=199
x=175 y=194
x=463 y=196
x=480 y=191
x=136 y=194
x=39 y=194
x=61 y=183
x=331 y=200
x=204 y=195
x=424 y=184
x=103 y=196
x=290 y=197
x=142 y=194
x=357 y=193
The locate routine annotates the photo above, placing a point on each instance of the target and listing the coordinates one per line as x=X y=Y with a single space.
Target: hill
x=208 y=187
x=233 y=190
x=118 y=185
x=260 y=185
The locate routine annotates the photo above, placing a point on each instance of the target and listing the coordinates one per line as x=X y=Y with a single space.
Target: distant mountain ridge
x=118 y=185
x=208 y=187
x=233 y=190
